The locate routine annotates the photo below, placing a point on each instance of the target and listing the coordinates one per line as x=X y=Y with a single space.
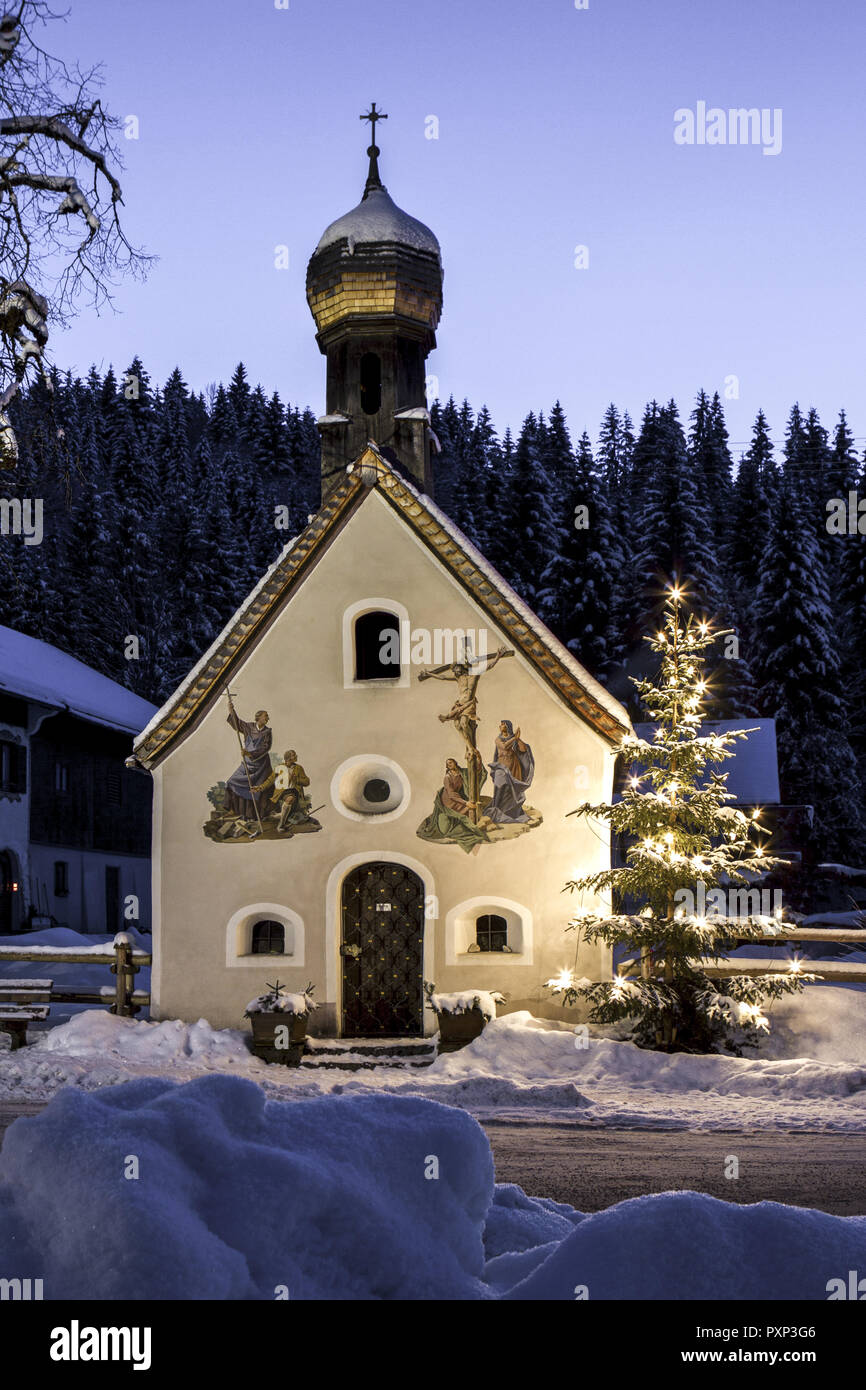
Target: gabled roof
x=548 y=657
x=34 y=670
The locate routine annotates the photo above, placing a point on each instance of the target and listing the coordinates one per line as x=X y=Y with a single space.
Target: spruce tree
x=753 y=493
x=713 y=465
x=673 y=522
x=850 y=562
x=798 y=671
x=843 y=465
x=528 y=538
x=683 y=833
x=574 y=597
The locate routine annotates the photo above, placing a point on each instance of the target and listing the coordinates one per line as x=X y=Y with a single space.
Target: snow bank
x=809 y=1074
x=209 y=1191
x=513 y=1046
x=685 y=1245
x=363 y=1197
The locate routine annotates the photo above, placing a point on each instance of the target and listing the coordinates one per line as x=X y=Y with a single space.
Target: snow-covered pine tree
x=91 y=608
x=557 y=458
x=614 y=451
x=794 y=451
x=445 y=423
x=851 y=611
x=843 y=466
x=526 y=526
x=682 y=833
x=485 y=454
x=711 y=458
x=574 y=595
x=239 y=393
x=614 y=454
x=467 y=477
x=755 y=486
x=223 y=427
x=673 y=521
x=132 y=560
x=796 y=664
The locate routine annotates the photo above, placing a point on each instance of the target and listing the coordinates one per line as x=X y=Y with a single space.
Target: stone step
x=355 y=1064
x=371 y=1047
x=357 y=1054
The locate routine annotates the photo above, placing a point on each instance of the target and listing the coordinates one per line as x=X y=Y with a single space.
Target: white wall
x=297 y=674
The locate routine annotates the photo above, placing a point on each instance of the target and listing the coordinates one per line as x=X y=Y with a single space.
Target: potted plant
x=279 y=1023
x=462 y=1015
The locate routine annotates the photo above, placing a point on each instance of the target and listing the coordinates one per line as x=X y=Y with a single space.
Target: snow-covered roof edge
x=599 y=692
x=43 y=674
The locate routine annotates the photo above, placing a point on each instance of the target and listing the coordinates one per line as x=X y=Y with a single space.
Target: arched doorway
x=382 y=945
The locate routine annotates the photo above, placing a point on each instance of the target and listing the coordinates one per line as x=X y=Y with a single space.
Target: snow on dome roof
x=378 y=218
x=34 y=670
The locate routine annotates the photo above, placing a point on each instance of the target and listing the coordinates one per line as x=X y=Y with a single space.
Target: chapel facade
x=365 y=782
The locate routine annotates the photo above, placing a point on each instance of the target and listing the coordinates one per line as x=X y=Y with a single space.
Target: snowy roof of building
x=34 y=670
x=377 y=218
x=545 y=653
x=753 y=773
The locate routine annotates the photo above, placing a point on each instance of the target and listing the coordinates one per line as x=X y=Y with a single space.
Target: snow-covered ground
x=159 y=1191
x=809 y=1074
x=316 y=1183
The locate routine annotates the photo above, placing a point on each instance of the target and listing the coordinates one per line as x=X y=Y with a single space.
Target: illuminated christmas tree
x=683 y=834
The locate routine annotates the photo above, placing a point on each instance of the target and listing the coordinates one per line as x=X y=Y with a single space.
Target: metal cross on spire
x=373 y=180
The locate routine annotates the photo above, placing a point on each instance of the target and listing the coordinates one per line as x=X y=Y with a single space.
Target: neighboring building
x=413 y=737
x=74 y=821
x=752 y=778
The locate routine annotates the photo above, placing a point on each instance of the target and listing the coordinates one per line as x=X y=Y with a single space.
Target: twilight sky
x=556 y=129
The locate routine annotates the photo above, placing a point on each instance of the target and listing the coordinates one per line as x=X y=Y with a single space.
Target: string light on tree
x=680 y=830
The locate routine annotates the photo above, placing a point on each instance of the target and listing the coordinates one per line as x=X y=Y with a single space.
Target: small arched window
x=268 y=939
x=371 y=383
x=377 y=646
x=491 y=932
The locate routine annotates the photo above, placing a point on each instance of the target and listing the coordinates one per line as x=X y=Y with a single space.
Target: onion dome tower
x=374 y=287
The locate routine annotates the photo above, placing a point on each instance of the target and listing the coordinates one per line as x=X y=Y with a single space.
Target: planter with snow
x=279 y=1023
x=462 y=1015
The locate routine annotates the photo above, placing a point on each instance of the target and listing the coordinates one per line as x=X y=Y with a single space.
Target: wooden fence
x=123 y=958
x=839 y=971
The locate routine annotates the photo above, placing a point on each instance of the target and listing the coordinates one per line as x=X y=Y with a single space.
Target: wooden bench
x=23 y=1002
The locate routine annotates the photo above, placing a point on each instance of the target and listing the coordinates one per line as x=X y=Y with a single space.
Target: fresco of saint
x=255 y=768
x=449 y=822
x=265 y=797
x=512 y=770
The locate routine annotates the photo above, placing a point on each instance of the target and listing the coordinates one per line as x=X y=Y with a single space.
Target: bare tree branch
x=56 y=140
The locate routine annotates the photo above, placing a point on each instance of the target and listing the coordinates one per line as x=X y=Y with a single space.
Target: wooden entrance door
x=382 y=951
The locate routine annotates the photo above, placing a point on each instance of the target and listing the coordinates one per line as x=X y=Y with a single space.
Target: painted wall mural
x=469 y=809
x=266 y=796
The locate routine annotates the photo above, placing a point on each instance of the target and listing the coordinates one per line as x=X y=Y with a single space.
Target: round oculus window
x=370 y=787
x=377 y=790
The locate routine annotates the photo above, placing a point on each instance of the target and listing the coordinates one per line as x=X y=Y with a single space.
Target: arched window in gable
x=377 y=646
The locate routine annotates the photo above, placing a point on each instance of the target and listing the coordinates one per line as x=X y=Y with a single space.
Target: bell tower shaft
x=374 y=286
